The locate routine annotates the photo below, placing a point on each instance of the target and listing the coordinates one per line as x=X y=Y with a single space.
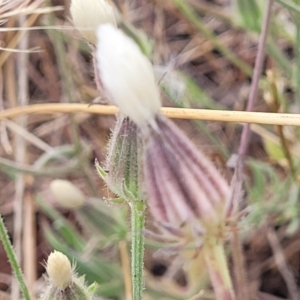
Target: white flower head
x=67 y=194
x=87 y=15
x=127 y=75
x=59 y=270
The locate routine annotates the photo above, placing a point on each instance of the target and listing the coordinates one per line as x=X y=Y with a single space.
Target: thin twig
x=28 y=136
x=282 y=266
x=239 y=266
x=17 y=37
x=20 y=156
x=256 y=77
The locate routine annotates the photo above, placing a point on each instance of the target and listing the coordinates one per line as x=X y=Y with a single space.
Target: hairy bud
x=63 y=281
x=59 y=270
x=123 y=162
x=127 y=75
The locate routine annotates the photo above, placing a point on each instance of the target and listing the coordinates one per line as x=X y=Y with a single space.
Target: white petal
x=87 y=15
x=127 y=75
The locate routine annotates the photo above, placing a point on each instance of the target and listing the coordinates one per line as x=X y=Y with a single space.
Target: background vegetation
x=204 y=53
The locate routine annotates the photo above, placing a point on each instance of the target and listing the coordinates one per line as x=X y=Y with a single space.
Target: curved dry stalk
x=170 y=112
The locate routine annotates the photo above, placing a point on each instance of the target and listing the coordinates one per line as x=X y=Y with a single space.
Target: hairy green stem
x=12 y=259
x=137 y=247
x=215 y=258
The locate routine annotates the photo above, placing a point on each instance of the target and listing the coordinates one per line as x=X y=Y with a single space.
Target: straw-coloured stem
x=170 y=112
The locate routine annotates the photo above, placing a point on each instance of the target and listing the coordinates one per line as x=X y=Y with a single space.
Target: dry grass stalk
x=170 y=112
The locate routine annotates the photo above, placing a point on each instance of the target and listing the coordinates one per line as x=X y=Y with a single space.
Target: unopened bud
x=59 y=270
x=123 y=162
x=67 y=194
x=182 y=183
x=127 y=76
x=87 y=15
x=63 y=281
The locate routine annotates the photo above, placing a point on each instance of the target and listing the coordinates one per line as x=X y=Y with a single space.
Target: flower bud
x=87 y=15
x=63 y=282
x=67 y=194
x=123 y=162
x=59 y=270
x=183 y=185
x=127 y=76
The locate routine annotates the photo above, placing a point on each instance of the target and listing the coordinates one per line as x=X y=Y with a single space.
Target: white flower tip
x=87 y=15
x=127 y=75
x=67 y=194
x=59 y=270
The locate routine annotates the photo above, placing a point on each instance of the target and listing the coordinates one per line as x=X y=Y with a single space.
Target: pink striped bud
x=183 y=184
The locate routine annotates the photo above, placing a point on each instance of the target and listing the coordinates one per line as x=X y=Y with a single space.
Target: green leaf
x=101 y=172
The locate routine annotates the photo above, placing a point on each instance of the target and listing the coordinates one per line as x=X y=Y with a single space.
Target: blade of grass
x=282 y=61
x=190 y=14
x=211 y=10
x=68 y=84
x=20 y=157
x=297 y=57
x=13 y=259
x=11 y=167
x=290 y=5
